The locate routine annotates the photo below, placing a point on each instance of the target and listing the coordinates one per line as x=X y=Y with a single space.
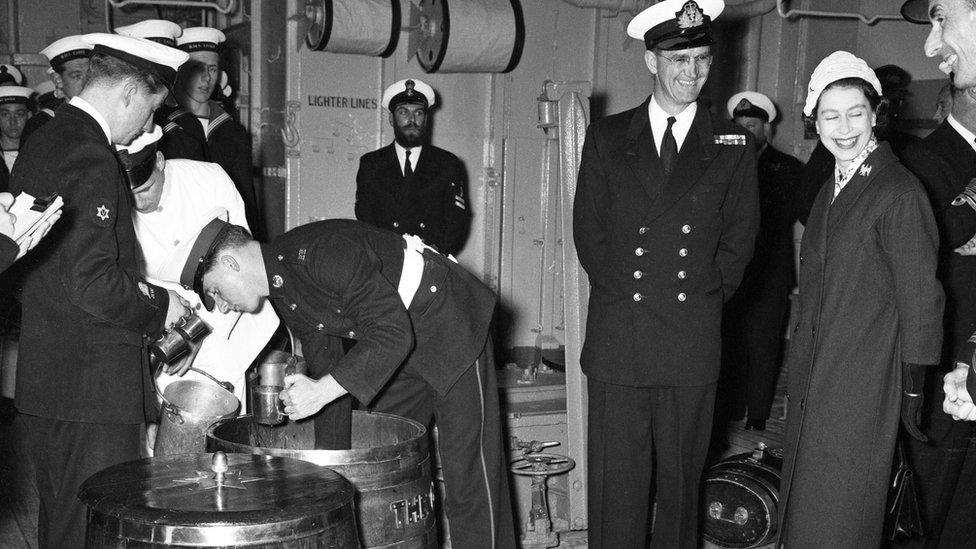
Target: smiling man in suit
x=665 y=218
x=411 y=186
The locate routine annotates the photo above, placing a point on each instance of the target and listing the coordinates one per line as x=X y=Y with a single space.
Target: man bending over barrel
x=416 y=329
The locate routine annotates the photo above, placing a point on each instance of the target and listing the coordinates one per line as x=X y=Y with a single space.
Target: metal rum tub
x=219 y=500
x=388 y=465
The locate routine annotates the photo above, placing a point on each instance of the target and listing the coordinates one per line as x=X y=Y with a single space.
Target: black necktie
x=669 y=148
x=407 y=168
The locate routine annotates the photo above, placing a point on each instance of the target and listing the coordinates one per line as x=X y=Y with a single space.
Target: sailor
x=411 y=186
x=158 y=30
x=69 y=72
x=10 y=76
x=199 y=128
x=418 y=326
x=14 y=113
x=171 y=198
x=756 y=316
x=665 y=218
x=83 y=384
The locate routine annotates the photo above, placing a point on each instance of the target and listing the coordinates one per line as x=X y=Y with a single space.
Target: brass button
x=642 y=230
x=682 y=275
x=352 y=333
x=422 y=226
x=638 y=297
x=320 y=327
x=338 y=311
x=682 y=296
x=683 y=252
x=686 y=229
x=293 y=306
x=638 y=274
x=277 y=281
x=433 y=289
x=280 y=257
x=396 y=224
x=639 y=252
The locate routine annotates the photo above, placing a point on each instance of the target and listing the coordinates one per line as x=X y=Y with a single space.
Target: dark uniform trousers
x=65 y=454
x=945 y=466
x=448 y=377
x=661 y=252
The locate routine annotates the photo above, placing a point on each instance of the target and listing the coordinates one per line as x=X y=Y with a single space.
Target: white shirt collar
x=969 y=136
x=401 y=153
x=659 y=122
x=93 y=112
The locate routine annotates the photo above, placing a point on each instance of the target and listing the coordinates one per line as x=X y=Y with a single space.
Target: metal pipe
x=203 y=4
x=13 y=28
x=743 y=10
x=835 y=15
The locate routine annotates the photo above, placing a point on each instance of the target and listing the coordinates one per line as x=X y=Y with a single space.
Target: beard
x=410 y=135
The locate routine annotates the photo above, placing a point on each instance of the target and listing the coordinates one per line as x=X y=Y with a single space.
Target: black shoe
x=756 y=424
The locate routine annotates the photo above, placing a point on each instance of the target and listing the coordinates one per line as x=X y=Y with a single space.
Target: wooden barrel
x=182 y=501
x=741 y=499
x=388 y=465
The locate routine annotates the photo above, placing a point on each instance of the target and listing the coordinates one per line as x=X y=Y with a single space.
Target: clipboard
x=32 y=212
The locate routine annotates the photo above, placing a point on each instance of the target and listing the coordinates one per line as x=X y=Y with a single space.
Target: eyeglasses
x=703 y=60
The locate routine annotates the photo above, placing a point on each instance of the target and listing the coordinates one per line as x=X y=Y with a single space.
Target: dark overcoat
x=869 y=301
x=338 y=279
x=86 y=310
x=431 y=204
x=662 y=253
x=226 y=143
x=37 y=120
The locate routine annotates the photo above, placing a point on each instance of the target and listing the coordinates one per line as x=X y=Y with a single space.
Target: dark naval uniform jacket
x=431 y=204
x=338 y=279
x=36 y=120
x=87 y=311
x=662 y=254
x=227 y=143
x=4 y=177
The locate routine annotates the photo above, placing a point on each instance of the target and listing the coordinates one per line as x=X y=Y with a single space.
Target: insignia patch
x=730 y=139
x=147 y=290
x=101 y=212
x=301 y=254
x=459 y=202
x=690 y=15
x=277 y=281
x=865 y=170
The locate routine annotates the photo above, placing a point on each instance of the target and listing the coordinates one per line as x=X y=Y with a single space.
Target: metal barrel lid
x=217 y=499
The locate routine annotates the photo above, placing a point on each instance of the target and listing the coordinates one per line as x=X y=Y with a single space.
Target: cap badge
x=744 y=104
x=690 y=15
x=409 y=84
x=277 y=281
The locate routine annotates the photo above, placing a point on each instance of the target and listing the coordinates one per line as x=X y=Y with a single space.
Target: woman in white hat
x=870 y=319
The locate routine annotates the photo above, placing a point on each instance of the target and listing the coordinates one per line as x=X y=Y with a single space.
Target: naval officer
x=68 y=57
x=665 y=216
x=411 y=186
x=171 y=198
x=83 y=384
x=419 y=325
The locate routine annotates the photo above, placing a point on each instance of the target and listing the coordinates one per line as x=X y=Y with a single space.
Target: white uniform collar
x=401 y=153
x=659 y=122
x=93 y=112
x=969 y=136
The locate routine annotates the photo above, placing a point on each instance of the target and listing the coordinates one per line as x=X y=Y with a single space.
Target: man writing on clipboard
x=11 y=250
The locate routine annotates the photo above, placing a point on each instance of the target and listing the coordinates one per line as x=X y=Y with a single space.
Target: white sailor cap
x=67 y=48
x=752 y=104
x=676 y=24
x=139 y=157
x=45 y=87
x=10 y=75
x=158 y=30
x=200 y=39
x=409 y=90
x=916 y=11
x=15 y=94
x=834 y=67
x=146 y=54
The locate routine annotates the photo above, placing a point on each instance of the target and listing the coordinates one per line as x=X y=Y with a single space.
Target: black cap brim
x=916 y=11
x=200 y=252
